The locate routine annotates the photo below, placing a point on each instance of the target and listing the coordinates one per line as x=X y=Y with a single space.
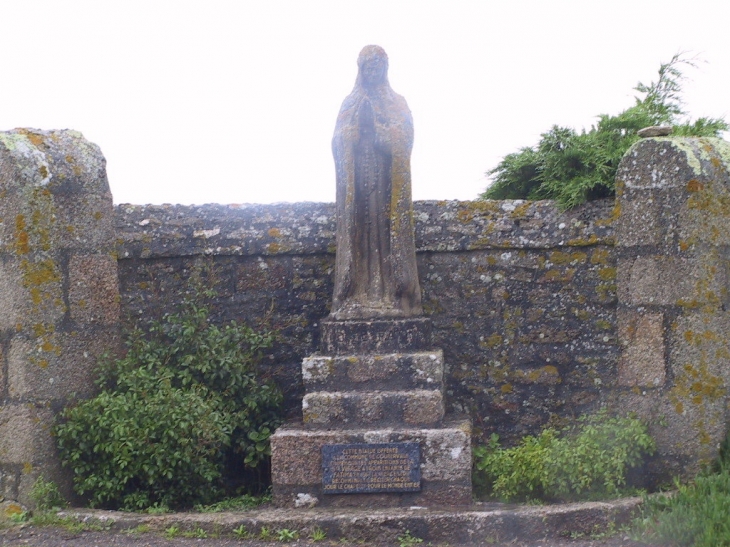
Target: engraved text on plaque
x=369 y=468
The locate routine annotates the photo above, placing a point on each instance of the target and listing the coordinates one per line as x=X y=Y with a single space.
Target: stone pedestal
x=377 y=382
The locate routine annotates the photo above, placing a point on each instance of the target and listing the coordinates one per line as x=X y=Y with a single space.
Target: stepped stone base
x=296 y=461
x=376 y=336
x=422 y=408
x=372 y=372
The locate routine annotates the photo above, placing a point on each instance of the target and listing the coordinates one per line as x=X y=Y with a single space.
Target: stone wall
x=522 y=297
x=542 y=315
x=59 y=300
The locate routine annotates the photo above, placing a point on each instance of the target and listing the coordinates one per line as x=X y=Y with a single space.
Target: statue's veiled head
x=372 y=66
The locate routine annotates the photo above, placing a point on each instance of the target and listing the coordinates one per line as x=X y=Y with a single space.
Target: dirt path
x=32 y=536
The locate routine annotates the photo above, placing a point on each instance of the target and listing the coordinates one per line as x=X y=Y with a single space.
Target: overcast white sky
x=234 y=101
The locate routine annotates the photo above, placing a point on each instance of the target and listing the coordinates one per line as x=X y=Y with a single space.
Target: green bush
x=183 y=405
x=586 y=461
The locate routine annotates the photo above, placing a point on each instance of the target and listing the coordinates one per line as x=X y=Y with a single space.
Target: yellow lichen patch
x=696 y=384
x=39 y=273
x=464 y=216
x=581 y=314
x=274 y=232
x=695 y=186
x=521 y=210
x=583 y=242
x=98 y=215
x=704 y=437
x=547 y=374
x=684 y=245
x=47 y=346
x=493 y=341
x=600 y=256
x=556 y=275
x=36 y=139
x=21 y=236
x=506 y=388
x=558 y=257
x=41 y=329
x=273 y=248
x=604 y=290
x=607 y=274
x=602 y=324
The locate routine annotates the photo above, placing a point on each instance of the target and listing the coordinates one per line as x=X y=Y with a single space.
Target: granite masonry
x=59 y=296
x=541 y=314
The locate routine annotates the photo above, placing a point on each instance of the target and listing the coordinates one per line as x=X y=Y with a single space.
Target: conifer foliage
x=572 y=167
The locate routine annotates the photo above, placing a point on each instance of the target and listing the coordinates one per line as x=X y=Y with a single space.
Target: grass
x=696 y=515
x=240 y=503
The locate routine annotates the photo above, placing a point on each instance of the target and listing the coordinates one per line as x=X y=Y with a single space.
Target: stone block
x=14 y=309
x=675 y=281
x=32 y=290
x=640 y=222
x=654 y=163
x=25 y=435
x=699 y=357
x=445 y=464
x=354 y=409
x=93 y=289
x=687 y=436
x=85 y=221
x=376 y=336
x=393 y=371
x=57 y=365
x=642 y=362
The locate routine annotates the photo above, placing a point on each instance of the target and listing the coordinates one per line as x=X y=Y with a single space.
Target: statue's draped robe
x=375 y=273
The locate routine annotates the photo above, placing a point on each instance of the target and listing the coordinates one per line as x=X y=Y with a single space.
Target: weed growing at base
x=697 y=515
x=587 y=461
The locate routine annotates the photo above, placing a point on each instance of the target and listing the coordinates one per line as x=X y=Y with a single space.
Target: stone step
x=348 y=409
x=445 y=464
x=389 y=371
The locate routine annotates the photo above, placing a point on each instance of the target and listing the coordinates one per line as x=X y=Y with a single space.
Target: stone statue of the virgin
x=375 y=272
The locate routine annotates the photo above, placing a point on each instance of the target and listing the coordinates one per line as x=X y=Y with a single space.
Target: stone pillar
x=59 y=296
x=673 y=242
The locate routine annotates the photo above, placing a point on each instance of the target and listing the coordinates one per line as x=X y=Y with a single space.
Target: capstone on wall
x=522 y=296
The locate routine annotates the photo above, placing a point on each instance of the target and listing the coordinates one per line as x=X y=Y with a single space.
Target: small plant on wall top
x=587 y=461
x=183 y=405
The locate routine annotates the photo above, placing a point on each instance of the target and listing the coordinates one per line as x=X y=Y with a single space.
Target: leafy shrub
x=588 y=460
x=695 y=515
x=573 y=167
x=184 y=404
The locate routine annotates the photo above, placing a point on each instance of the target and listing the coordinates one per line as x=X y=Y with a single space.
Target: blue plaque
x=371 y=468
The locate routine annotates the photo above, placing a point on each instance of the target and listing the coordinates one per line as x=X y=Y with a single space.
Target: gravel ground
x=32 y=536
